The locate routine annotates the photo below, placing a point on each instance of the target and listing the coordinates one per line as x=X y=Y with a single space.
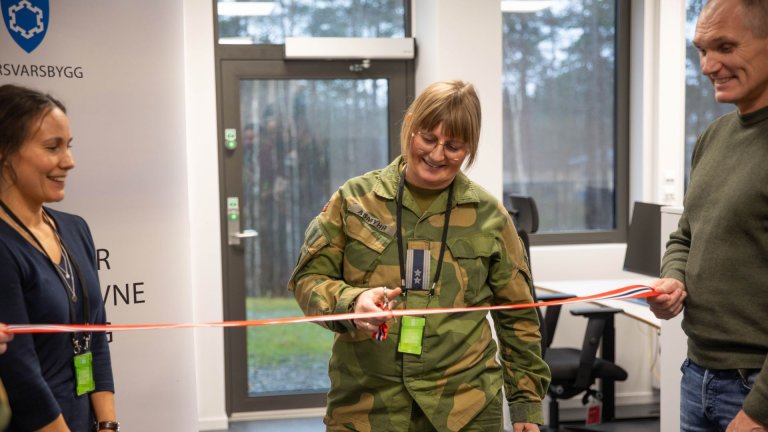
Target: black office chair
x=574 y=371
x=525 y=215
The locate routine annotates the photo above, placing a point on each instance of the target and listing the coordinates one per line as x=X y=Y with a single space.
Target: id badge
x=84 y=373
x=411 y=332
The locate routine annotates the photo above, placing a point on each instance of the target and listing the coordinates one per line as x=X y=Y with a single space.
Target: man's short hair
x=755 y=15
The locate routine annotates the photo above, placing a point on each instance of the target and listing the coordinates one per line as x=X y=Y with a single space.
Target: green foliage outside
x=280 y=344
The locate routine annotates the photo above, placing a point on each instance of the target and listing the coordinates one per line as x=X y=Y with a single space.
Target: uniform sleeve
x=526 y=375
x=32 y=402
x=317 y=281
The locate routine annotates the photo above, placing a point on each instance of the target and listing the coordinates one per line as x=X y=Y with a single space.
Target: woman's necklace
x=70 y=268
x=65 y=270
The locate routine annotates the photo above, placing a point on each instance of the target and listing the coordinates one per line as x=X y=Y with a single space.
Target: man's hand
x=669 y=302
x=525 y=427
x=744 y=423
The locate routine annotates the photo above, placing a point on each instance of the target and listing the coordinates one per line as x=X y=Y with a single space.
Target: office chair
x=525 y=214
x=574 y=371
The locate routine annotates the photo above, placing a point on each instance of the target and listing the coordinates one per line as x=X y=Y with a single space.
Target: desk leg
x=608 y=387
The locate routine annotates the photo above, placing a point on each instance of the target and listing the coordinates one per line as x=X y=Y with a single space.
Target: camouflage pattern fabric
x=351 y=247
x=5 y=410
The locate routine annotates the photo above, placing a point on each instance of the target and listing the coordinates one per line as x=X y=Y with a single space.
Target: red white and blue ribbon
x=627 y=292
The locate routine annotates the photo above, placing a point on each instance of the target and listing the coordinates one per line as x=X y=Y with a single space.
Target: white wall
x=127 y=116
x=474 y=55
x=203 y=196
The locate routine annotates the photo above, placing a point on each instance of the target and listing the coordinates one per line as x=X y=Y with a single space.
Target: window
x=565 y=81
x=270 y=22
x=701 y=108
x=302 y=140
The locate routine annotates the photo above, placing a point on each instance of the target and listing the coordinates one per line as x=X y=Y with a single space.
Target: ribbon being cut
x=627 y=292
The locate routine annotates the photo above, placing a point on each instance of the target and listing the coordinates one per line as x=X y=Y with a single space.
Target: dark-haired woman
x=48 y=274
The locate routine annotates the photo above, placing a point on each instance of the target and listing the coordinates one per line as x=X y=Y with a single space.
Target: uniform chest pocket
x=363 y=250
x=473 y=255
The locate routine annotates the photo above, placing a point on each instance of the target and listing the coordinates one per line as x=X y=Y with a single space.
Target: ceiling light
x=245 y=8
x=525 y=6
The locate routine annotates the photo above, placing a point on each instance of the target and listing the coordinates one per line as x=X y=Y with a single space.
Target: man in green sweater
x=715 y=268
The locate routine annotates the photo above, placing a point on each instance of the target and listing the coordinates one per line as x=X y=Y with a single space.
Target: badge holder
x=417 y=271
x=411 y=332
x=83 y=361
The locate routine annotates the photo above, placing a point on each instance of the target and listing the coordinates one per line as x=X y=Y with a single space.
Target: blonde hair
x=455 y=105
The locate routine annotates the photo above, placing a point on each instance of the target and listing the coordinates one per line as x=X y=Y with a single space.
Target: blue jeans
x=711 y=398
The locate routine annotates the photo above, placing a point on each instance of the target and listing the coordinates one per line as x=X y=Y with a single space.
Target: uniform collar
x=386 y=185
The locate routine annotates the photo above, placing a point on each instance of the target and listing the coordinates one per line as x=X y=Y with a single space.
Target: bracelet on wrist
x=108 y=425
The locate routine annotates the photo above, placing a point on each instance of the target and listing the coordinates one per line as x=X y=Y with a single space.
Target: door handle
x=233 y=223
x=246 y=233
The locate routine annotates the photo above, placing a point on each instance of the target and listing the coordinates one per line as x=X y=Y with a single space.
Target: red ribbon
x=627 y=292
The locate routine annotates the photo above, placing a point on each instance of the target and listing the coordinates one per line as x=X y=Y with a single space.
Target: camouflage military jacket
x=351 y=246
x=5 y=410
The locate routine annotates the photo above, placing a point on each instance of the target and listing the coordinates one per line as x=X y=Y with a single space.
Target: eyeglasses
x=453 y=150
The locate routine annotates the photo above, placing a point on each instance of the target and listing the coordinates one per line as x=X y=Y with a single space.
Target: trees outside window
x=561 y=110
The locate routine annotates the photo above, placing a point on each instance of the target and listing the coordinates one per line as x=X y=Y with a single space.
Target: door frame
x=231 y=69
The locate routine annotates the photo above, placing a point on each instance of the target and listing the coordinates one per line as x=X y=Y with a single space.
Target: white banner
x=118 y=66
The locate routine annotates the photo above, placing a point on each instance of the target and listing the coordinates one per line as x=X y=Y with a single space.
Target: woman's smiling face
x=38 y=170
x=430 y=164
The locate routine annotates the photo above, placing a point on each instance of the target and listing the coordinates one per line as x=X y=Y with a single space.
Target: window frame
x=621 y=138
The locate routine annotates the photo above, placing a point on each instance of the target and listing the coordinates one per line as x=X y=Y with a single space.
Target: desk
x=636 y=309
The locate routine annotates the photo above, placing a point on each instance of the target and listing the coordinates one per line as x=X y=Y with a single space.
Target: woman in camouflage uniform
x=419 y=234
x=5 y=410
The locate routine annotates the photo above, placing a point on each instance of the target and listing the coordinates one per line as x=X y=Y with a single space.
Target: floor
x=311 y=424
x=632 y=418
x=635 y=425
x=315 y=424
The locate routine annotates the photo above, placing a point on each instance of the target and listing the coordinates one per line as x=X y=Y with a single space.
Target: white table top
x=636 y=309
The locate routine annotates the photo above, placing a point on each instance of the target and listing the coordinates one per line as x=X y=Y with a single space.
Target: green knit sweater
x=720 y=251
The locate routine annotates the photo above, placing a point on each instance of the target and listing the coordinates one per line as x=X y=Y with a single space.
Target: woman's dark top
x=37 y=370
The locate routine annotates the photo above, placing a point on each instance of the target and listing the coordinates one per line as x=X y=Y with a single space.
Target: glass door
x=292 y=133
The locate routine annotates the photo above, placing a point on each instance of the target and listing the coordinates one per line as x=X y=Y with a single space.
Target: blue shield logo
x=26 y=21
